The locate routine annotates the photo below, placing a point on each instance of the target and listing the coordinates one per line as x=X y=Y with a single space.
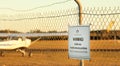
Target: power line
x=38 y=7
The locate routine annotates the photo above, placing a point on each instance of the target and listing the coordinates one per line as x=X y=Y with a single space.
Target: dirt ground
x=60 y=58
x=38 y=59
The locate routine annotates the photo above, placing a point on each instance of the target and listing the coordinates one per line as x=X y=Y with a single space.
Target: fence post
x=80 y=62
x=80 y=11
x=80 y=23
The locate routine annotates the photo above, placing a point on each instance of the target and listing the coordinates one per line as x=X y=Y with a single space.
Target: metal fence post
x=80 y=62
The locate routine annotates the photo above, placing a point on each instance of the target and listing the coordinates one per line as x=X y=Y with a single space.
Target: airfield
x=55 y=53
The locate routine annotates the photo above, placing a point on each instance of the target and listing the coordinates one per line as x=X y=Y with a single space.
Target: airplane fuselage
x=14 y=44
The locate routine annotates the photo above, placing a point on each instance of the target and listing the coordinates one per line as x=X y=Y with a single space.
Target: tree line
x=9 y=31
x=31 y=31
x=39 y=31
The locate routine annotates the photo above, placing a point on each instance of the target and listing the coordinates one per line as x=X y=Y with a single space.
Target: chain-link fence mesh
x=105 y=30
x=47 y=18
x=51 y=49
x=104 y=24
x=45 y=22
x=49 y=22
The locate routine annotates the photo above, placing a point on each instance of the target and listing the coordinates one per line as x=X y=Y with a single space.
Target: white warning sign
x=79 y=42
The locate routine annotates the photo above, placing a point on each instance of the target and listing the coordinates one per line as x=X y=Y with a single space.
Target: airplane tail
x=110 y=26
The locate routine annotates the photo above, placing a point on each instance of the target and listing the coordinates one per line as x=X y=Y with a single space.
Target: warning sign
x=79 y=42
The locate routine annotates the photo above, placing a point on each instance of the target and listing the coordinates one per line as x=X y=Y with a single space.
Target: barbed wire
x=100 y=14
x=69 y=12
x=38 y=6
x=39 y=17
x=58 y=16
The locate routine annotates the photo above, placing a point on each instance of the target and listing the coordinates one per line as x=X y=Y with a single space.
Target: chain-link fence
x=54 y=17
x=105 y=30
x=51 y=49
x=104 y=25
x=103 y=21
x=49 y=22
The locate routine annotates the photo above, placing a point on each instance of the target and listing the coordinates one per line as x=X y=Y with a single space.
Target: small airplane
x=19 y=43
x=16 y=43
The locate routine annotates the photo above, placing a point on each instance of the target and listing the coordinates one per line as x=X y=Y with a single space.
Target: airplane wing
x=32 y=34
x=44 y=34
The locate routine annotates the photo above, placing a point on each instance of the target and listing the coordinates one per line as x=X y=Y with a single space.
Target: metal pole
x=80 y=11
x=80 y=22
x=80 y=62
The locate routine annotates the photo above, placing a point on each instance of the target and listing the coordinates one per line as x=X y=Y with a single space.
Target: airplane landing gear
x=1 y=53
x=30 y=54
x=21 y=51
x=24 y=53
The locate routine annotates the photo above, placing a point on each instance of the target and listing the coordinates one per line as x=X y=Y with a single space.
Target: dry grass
x=48 y=44
x=105 y=44
x=60 y=58
x=63 y=44
x=43 y=58
x=104 y=59
x=39 y=59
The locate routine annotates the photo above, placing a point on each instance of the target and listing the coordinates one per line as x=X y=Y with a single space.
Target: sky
x=44 y=15
x=26 y=4
x=100 y=22
x=33 y=5
x=100 y=3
